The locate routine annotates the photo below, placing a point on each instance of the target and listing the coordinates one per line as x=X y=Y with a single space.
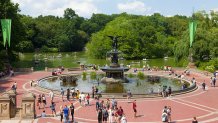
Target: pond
x=135 y=85
x=72 y=59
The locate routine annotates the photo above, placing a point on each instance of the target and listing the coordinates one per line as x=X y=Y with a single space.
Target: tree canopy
x=153 y=36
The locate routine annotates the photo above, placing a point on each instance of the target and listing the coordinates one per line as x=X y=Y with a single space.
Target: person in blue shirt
x=66 y=114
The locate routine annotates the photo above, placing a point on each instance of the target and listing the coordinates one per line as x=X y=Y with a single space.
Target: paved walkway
x=202 y=104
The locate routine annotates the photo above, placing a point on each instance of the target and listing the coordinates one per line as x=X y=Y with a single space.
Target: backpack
x=164 y=117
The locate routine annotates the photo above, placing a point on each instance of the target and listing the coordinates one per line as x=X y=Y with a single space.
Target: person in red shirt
x=87 y=98
x=134 y=108
x=120 y=113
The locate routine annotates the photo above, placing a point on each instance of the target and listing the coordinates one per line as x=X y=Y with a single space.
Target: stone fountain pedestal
x=114 y=72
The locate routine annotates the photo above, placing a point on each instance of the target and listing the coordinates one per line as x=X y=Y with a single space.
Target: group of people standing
x=66 y=111
x=108 y=111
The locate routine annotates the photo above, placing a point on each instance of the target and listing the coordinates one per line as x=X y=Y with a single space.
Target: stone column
x=4 y=107
x=28 y=106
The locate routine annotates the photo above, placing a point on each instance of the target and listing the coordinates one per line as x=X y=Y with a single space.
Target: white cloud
x=35 y=8
x=134 y=7
x=215 y=10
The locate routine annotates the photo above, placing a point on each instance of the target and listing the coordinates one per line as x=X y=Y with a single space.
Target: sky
x=86 y=8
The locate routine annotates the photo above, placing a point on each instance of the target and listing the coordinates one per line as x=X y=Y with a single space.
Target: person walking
x=14 y=87
x=164 y=117
x=62 y=94
x=120 y=113
x=169 y=114
x=105 y=114
x=213 y=80
x=61 y=113
x=72 y=93
x=111 y=115
x=134 y=108
x=39 y=101
x=66 y=114
x=72 y=111
x=83 y=97
x=100 y=116
x=108 y=103
x=68 y=94
x=87 y=98
x=114 y=103
x=129 y=94
x=53 y=108
x=169 y=91
x=43 y=101
x=97 y=105
x=123 y=119
x=77 y=94
x=51 y=95
x=203 y=85
x=93 y=92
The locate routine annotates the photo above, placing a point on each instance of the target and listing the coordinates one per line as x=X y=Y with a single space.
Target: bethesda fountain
x=114 y=72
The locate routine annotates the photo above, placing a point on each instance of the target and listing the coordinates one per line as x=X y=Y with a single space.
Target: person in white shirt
x=111 y=115
x=123 y=119
x=82 y=95
x=51 y=95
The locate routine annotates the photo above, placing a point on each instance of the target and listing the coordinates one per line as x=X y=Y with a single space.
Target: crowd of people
x=107 y=110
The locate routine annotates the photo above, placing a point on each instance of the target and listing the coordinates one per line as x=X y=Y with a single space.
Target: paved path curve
x=202 y=104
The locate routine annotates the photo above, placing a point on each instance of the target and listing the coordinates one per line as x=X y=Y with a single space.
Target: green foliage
x=25 y=46
x=47 y=49
x=84 y=74
x=140 y=75
x=130 y=75
x=142 y=37
x=93 y=75
x=210 y=66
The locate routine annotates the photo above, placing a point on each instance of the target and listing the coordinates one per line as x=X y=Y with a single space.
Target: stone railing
x=9 y=108
x=23 y=69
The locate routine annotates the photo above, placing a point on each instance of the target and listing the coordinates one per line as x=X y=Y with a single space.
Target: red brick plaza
x=199 y=103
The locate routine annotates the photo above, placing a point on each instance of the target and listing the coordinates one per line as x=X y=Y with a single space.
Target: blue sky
x=85 y=8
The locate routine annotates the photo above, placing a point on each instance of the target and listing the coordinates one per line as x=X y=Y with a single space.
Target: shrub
x=141 y=75
x=84 y=74
x=130 y=75
x=93 y=75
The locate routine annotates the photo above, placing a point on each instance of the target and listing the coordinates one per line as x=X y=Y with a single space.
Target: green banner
x=6 y=30
x=192 y=30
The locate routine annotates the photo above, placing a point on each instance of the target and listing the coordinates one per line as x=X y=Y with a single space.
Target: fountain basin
x=135 y=85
